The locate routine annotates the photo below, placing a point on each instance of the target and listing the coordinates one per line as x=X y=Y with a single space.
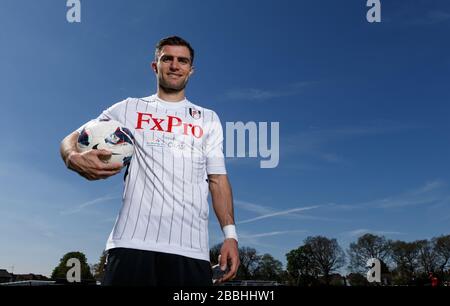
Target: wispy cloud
x=274 y=233
x=251 y=239
x=252 y=207
x=84 y=205
x=268 y=212
x=431 y=17
x=257 y=94
x=313 y=141
x=108 y=220
x=255 y=240
x=315 y=136
x=430 y=186
x=431 y=193
x=417 y=15
x=424 y=195
x=279 y=213
x=32 y=224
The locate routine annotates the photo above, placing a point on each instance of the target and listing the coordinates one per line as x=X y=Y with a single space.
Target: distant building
x=5 y=276
x=29 y=283
x=10 y=278
x=29 y=277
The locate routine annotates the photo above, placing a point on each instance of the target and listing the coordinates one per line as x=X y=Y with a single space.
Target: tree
x=357 y=279
x=442 y=249
x=214 y=253
x=300 y=266
x=415 y=260
x=287 y=279
x=326 y=254
x=268 y=268
x=60 y=271
x=249 y=262
x=405 y=256
x=319 y=256
x=99 y=268
x=368 y=246
x=427 y=256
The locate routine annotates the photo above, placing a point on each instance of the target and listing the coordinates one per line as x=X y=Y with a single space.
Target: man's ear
x=154 y=67
x=192 y=71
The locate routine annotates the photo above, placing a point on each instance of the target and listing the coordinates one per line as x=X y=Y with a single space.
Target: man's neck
x=170 y=96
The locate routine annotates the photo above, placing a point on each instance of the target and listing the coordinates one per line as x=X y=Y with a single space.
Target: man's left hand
x=229 y=255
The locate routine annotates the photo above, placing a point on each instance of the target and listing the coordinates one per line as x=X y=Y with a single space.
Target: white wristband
x=229 y=231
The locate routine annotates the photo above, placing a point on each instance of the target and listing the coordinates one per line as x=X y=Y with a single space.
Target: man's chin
x=172 y=88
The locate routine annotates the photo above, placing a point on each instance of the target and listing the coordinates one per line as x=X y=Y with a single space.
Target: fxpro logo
x=257 y=142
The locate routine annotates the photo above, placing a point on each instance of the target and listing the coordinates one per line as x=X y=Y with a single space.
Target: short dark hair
x=173 y=41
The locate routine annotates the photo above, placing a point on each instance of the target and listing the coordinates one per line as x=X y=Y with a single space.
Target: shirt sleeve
x=114 y=112
x=215 y=160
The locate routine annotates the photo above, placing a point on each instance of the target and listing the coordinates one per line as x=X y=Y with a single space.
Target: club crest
x=196 y=114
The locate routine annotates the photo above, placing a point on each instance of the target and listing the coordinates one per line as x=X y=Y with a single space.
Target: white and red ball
x=109 y=135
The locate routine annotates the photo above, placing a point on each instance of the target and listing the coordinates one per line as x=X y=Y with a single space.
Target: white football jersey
x=165 y=205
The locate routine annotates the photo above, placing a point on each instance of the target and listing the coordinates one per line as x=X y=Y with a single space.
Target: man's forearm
x=68 y=146
x=222 y=198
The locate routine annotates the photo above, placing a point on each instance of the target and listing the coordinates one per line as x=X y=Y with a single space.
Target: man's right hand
x=91 y=164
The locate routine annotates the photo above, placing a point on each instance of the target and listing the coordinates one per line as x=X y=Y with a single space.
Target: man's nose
x=175 y=65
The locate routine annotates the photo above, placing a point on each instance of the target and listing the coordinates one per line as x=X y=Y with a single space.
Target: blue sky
x=363 y=111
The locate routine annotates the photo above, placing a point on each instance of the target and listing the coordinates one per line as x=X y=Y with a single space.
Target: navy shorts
x=130 y=267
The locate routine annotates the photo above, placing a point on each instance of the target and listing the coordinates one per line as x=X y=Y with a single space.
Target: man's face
x=173 y=68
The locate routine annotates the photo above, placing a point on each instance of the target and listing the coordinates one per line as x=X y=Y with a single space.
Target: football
x=109 y=135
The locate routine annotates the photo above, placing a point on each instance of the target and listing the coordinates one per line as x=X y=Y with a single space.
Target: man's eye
x=165 y=59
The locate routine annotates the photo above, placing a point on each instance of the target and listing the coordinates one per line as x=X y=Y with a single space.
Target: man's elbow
x=72 y=138
x=218 y=182
x=68 y=144
x=216 y=178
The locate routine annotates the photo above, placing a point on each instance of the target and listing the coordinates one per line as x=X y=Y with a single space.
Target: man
x=434 y=280
x=161 y=234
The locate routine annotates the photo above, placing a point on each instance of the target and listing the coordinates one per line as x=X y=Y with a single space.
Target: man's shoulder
x=122 y=102
x=150 y=98
x=127 y=102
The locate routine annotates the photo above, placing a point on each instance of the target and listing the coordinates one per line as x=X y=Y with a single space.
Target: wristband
x=229 y=231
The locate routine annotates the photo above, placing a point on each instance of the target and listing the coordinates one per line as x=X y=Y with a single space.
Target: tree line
x=321 y=261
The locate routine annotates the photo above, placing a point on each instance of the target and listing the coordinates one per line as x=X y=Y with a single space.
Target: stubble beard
x=170 y=88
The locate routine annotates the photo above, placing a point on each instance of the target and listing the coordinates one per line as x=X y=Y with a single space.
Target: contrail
x=280 y=213
x=88 y=203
